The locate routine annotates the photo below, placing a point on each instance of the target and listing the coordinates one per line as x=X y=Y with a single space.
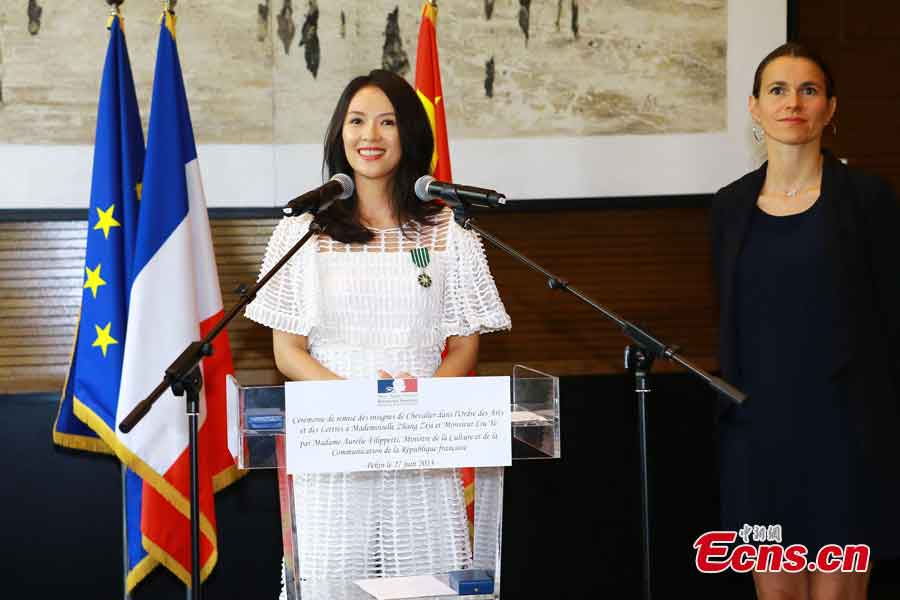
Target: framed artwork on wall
x=554 y=100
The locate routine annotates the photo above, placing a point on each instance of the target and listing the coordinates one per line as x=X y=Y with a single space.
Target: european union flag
x=90 y=397
x=112 y=221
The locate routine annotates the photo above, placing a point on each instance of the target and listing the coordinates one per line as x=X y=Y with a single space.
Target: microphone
x=339 y=187
x=428 y=188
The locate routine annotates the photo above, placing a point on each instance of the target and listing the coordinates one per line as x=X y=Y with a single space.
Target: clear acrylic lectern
x=256 y=427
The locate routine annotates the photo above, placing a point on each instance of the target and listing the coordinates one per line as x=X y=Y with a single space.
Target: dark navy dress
x=787 y=453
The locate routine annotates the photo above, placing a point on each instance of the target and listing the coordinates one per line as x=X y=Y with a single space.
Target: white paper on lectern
x=370 y=425
x=398 y=588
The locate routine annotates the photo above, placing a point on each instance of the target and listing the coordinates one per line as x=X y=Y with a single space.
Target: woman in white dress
x=391 y=284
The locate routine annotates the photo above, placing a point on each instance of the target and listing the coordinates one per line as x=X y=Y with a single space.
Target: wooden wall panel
x=40 y=292
x=649 y=265
x=861 y=43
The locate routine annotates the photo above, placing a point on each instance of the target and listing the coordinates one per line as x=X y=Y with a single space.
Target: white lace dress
x=363 y=308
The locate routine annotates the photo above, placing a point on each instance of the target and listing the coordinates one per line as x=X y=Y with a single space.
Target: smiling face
x=371 y=136
x=793 y=107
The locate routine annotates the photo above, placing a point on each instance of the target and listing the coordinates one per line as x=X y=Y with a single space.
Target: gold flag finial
x=114 y=7
x=168 y=15
x=114 y=12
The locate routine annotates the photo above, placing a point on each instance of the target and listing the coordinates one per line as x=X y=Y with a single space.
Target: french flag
x=174 y=300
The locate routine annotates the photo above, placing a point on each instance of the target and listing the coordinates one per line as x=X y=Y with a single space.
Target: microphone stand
x=639 y=358
x=183 y=376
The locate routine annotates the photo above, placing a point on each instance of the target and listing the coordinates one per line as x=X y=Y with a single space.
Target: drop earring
x=758 y=134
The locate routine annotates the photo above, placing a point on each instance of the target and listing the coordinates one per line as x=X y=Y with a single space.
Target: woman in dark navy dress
x=807 y=258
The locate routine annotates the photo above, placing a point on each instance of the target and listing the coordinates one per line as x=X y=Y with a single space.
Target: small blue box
x=472 y=581
x=265 y=422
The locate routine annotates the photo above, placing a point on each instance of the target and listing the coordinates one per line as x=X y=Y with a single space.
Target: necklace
x=793 y=193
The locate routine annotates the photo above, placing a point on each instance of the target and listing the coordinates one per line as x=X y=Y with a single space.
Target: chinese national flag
x=428 y=87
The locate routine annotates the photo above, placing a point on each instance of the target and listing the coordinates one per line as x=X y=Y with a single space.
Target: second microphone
x=428 y=188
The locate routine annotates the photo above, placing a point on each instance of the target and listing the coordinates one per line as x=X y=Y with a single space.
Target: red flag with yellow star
x=428 y=87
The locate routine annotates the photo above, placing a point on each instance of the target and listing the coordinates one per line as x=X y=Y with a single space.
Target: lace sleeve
x=289 y=301
x=472 y=303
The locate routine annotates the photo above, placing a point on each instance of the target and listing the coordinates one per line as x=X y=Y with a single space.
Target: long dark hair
x=416 y=143
x=794 y=50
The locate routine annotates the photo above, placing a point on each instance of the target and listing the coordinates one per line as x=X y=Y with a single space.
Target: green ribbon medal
x=421 y=259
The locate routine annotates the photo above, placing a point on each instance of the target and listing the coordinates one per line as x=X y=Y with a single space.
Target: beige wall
x=655 y=66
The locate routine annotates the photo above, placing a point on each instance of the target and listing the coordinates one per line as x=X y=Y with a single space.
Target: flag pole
x=114 y=13
x=125 y=557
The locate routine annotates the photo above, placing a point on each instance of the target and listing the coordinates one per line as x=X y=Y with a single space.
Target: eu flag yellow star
x=104 y=340
x=93 y=280
x=105 y=220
